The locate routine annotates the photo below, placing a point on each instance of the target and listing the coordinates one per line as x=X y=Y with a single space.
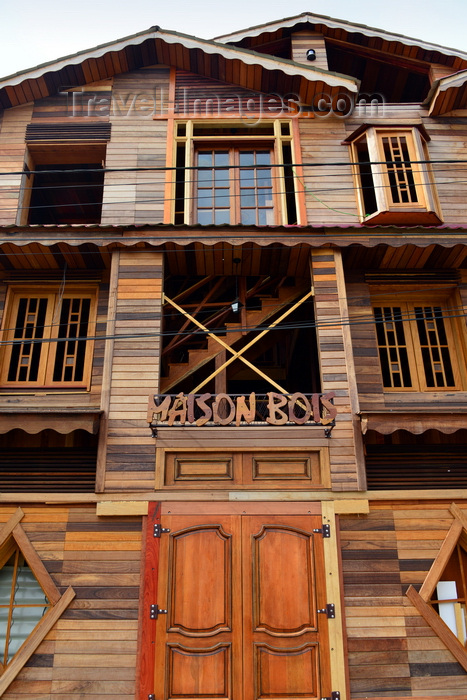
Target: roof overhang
x=447 y=94
x=248 y=69
x=35 y=420
x=337 y=25
x=414 y=422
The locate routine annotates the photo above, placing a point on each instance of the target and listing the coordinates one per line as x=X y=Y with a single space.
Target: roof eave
x=190 y=42
x=333 y=23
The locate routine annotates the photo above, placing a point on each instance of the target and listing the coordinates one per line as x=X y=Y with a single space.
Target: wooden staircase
x=254 y=318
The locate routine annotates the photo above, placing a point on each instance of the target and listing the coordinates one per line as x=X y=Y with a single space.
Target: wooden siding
x=135 y=372
x=138 y=141
x=334 y=370
x=448 y=137
x=92 y=648
x=327 y=183
x=12 y=155
x=365 y=345
x=203 y=97
x=391 y=650
x=302 y=41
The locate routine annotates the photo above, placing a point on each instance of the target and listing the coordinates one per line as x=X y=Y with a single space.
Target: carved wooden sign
x=224 y=409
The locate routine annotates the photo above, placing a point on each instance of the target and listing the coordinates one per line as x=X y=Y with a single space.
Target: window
x=416 y=346
x=63 y=184
x=394 y=181
x=44 y=338
x=442 y=597
x=22 y=604
x=30 y=603
x=234 y=186
x=234 y=174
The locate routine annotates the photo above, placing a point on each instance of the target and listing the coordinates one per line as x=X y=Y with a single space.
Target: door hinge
x=329 y=610
x=155 y=611
x=334 y=696
x=325 y=530
x=159 y=530
x=151 y=696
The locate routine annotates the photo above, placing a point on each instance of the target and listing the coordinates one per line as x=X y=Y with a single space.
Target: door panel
x=200 y=605
x=283 y=579
x=242 y=594
x=198 y=643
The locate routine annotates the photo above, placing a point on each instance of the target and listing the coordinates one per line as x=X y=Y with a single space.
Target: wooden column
x=130 y=449
x=334 y=353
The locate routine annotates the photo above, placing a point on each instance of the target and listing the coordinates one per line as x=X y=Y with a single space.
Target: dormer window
x=394 y=179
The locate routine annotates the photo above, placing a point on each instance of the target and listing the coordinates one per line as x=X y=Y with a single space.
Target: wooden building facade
x=233 y=380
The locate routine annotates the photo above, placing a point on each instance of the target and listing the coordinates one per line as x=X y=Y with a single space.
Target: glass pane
x=265 y=198
x=28 y=590
x=221 y=159
x=205 y=178
x=247 y=158
x=264 y=178
x=249 y=217
x=263 y=158
x=222 y=199
x=222 y=216
x=247 y=178
x=205 y=217
x=23 y=622
x=247 y=198
x=205 y=160
x=222 y=178
x=204 y=199
x=6 y=577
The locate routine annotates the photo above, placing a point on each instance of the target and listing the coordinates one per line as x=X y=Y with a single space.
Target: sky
x=37 y=31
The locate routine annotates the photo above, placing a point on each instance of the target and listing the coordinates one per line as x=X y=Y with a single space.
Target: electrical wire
x=338 y=321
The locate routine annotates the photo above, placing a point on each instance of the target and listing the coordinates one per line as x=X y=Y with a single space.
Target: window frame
x=407 y=303
x=186 y=142
x=48 y=354
x=422 y=598
x=13 y=536
x=426 y=210
x=234 y=151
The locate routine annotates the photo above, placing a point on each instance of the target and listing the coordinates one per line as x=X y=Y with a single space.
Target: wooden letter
x=331 y=410
x=215 y=410
x=162 y=408
x=178 y=410
x=304 y=402
x=243 y=412
x=276 y=416
x=201 y=402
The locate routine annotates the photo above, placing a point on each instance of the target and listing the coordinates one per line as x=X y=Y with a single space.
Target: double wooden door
x=242 y=594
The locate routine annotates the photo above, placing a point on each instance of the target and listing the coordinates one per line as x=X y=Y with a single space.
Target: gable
x=244 y=68
x=398 y=67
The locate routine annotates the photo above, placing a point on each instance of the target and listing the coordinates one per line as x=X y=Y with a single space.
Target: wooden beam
x=437 y=568
x=110 y=508
x=334 y=595
x=10 y=525
x=438 y=626
x=36 y=565
x=35 y=638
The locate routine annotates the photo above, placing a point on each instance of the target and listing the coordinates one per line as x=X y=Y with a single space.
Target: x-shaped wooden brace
x=238 y=355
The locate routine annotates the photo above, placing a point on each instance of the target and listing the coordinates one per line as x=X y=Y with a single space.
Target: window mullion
x=413 y=348
x=235 y=199
x=10 y=609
